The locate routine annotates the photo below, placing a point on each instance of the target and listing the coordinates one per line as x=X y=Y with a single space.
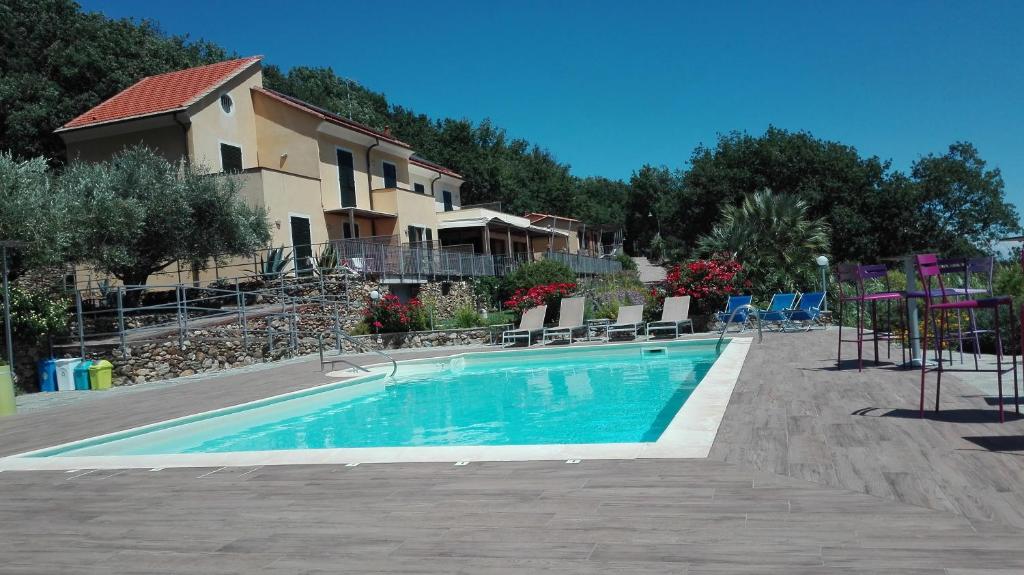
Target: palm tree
x=773 y=237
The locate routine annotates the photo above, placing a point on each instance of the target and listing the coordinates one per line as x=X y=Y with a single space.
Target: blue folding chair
x=806 y=313
x=776 y=310
x=726 y=317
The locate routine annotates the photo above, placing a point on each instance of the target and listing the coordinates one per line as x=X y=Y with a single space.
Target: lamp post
x=650 y=214
x=823 y=265
x=375 y=297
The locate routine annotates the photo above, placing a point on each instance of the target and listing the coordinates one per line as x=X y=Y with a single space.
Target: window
x=447 y=198
x=390 y=175
x=346 y=231
x=419 y=189
x=347 y=179
x=420 y=235
x=301 y=244
x=227 y=104
x=230 y=158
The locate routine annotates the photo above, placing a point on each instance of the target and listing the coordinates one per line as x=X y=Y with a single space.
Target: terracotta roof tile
x=328 y=115
x=423 y=162
x=162 y=93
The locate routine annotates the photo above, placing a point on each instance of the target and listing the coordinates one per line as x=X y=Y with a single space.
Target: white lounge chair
x=570 y=320
x=675 y=313
x=532 y=322
x=629 y=321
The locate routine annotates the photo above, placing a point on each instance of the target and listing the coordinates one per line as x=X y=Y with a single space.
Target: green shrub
x=490 y=290
x=606 y=310
x=36 y=314
x=606 y=294
x=543 y=272
x=627 y=262
x=360 y=328
x=1009 y=280
x=500 y=317
x=466 y=317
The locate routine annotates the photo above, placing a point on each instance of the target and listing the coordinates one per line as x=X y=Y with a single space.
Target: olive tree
x=138 y=213
x=31 y=213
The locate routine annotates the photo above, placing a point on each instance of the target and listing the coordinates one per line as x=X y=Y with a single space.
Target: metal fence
x=378 y=257
x=430 y=261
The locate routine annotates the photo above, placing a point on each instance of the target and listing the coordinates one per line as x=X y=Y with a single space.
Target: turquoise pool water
x=608 y=394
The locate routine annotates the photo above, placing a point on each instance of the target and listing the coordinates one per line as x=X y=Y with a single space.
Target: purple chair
x=964 y=269
x=928 y=268
x=856 y=276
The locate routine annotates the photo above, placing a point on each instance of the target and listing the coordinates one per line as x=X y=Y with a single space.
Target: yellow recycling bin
x=6 y=391
x=100 y=374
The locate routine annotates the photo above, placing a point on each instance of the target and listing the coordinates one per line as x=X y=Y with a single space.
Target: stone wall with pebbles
x=220 y=348
x=447 y=297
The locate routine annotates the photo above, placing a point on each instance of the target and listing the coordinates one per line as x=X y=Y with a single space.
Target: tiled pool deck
x=813 y=471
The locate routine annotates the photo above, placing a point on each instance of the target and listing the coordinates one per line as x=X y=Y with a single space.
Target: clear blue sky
x=609 y=86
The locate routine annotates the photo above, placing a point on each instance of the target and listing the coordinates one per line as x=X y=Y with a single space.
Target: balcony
x=388 y=259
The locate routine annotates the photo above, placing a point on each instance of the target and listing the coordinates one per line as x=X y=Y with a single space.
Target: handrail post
x=177 y=306
x=120 y=320
x=81 y=323
x=337 y=327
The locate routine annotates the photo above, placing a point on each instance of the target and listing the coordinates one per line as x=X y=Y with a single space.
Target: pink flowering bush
x=390 y=315
x=708 y=283
x=548 y=294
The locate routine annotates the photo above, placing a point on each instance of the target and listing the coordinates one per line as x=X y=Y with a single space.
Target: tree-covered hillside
x=57 y=61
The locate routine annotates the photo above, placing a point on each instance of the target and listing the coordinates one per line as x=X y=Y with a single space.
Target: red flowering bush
x=548 y=294
x=708 y=283
x=391 y=315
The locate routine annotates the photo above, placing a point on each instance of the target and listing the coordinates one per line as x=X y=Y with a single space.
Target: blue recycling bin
x=48 y=374
x=82 y=375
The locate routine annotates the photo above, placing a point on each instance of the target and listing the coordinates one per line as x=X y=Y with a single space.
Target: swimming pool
x=561 y=398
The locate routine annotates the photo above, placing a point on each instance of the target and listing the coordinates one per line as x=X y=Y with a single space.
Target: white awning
x=481 y=217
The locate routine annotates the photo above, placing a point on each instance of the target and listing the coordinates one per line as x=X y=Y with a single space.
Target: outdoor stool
x=927 y=269
x=856 y=275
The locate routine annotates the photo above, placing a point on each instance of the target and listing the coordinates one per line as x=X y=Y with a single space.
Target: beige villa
x=321 y=177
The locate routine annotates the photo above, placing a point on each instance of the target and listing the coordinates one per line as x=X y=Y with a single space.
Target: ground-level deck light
x=823 y=266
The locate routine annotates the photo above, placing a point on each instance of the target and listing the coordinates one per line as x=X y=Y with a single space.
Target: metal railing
x=378 y=256
x=358 y=344
x=583 y=264
x=725 y=327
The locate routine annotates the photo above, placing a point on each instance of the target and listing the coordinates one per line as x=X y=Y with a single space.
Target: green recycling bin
x=6 y=391
x=100 y=374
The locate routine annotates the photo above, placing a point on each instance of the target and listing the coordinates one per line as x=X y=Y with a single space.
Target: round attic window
x=227 y=104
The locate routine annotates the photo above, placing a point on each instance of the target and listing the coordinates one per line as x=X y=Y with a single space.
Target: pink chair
x=857 y=276
x=928 y=269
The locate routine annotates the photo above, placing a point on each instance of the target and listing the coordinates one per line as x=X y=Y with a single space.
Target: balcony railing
x=388 y=258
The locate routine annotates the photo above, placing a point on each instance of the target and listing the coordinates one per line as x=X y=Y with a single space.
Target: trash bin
x=48 y=374
x=82 y=375
x=100 y=374
x=66 y=373
x=6 y=391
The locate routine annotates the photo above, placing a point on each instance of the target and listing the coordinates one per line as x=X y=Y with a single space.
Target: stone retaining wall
x=221 y=348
